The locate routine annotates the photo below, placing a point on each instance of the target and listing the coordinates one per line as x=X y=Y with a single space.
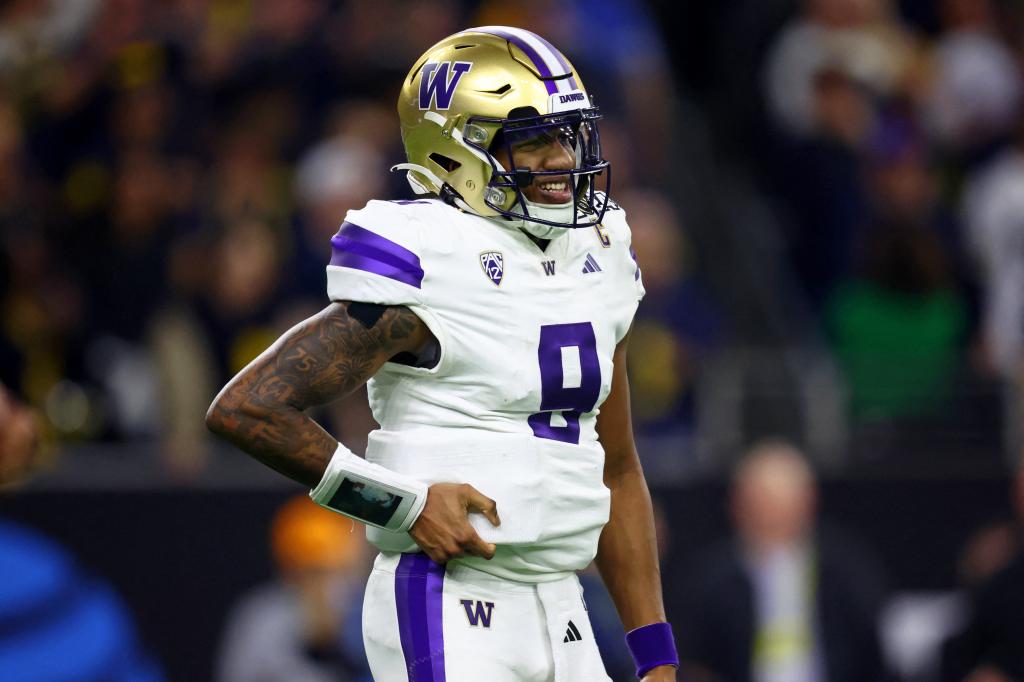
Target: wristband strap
x=652 y=645
x=370 y=493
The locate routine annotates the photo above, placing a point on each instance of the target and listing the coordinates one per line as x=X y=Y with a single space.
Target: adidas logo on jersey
x=572 y=634
x=591 y=265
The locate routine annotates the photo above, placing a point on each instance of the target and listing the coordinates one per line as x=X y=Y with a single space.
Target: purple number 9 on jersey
x=562 y=391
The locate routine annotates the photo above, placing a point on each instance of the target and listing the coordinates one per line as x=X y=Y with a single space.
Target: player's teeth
x=556 y=186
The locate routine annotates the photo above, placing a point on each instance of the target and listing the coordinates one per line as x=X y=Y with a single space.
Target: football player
x=489 y=320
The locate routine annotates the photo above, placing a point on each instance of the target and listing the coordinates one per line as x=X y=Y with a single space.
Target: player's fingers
x=472 y=543
x=477 y=501
x=437 y=554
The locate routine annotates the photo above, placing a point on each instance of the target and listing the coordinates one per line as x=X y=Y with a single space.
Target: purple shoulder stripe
x=419 y=583
x=358 y=248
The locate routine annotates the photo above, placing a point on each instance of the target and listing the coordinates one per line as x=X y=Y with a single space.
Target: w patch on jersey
x=493 y=264
x=437 y=87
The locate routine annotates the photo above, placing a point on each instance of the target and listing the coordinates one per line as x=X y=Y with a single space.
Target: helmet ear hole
x=498 y=142
x=523 y=112
x=446 y=163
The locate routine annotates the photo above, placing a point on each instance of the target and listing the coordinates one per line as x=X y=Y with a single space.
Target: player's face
x=543 y=150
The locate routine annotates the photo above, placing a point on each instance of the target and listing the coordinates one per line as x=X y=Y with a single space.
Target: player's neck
x=542 y=244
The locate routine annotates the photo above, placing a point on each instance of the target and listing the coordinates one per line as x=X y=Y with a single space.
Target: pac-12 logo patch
x=493 y=264
x=437 y=86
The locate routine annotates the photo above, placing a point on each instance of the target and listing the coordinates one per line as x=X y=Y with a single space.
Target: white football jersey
x=526 y=340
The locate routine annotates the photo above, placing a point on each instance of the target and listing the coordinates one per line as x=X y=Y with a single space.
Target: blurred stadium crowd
x=865 y=184
x=826 y=198
x=843 y=176
x=173 y=172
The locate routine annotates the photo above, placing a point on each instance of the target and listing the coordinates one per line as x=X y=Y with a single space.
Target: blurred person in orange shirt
x=19 y=439
x=305 y=626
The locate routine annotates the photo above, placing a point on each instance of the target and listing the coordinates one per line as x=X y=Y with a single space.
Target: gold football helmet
x=491 y=86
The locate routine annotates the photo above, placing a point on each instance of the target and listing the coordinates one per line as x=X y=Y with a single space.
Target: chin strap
x=554 y=212
x=419 y=187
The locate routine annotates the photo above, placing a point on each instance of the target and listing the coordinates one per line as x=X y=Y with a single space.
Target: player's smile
x=543 y=152
x=549 y=189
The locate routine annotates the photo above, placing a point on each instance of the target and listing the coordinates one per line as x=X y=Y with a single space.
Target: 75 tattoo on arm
x=319 y=360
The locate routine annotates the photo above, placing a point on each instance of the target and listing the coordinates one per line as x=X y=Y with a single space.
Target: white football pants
x=425 y=623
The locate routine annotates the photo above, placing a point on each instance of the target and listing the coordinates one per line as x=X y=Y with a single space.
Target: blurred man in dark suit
x=786 y=600
x=991 y=646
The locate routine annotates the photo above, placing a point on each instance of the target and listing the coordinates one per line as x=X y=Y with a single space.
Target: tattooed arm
x=322 y=358
x=319 y=360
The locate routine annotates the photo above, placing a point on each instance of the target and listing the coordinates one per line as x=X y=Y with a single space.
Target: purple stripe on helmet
x=359 y=248
x=632 y=254
x=561 y=59
x=418 y=588
x=537 y=60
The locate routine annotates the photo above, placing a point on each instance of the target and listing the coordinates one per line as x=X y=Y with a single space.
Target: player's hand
x=442 y=529
x=663 y=673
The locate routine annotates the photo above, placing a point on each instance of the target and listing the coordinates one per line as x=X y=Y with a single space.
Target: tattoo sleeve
x=319 y=360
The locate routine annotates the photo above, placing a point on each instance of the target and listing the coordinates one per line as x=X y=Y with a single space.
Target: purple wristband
x=652 y=645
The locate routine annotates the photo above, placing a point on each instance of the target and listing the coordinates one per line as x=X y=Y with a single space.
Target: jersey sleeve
x=375 y=257
x=638 y=280
x=622 y=236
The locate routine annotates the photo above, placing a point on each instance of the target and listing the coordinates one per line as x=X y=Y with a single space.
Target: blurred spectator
x=860 y=39
x=306 y=625
x=820 y=177
x=989 y=649
x=60 y=624
x=339 y=172
x=994 y=213
x=19 y=439
x=677 y=325
x=787 y=600
x=976 y=87
x=899 y=329
x=371 y=39
x=898 y=325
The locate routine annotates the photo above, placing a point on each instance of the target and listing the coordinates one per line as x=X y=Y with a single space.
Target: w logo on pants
x=436 y=87
x=478 y=612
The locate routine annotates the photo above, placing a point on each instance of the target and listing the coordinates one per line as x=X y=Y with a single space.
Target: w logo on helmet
x=437 y=86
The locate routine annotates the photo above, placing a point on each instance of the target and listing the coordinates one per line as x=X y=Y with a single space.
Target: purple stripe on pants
x=418 y=587
x=359 y=248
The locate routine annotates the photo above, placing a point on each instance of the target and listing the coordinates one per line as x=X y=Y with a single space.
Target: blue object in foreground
x=57 y=624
